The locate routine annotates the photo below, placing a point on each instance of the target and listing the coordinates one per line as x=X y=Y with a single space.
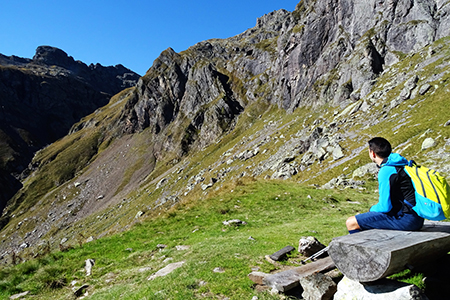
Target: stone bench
x=374 y=254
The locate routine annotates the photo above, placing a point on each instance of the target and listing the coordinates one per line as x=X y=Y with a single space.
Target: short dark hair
x=380 y=146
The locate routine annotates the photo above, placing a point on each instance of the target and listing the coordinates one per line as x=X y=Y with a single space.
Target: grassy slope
x=277 y=214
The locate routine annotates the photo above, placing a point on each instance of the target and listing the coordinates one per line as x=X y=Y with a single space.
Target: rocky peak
x=48 y=55
x=273 y=21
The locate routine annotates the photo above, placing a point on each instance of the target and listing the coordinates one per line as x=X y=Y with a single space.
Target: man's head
x=379 y=146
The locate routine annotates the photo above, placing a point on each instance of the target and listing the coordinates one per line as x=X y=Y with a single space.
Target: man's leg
x=377 y=220
x=352 y=225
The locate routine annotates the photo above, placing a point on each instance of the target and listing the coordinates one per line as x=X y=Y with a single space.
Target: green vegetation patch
x=277 y=214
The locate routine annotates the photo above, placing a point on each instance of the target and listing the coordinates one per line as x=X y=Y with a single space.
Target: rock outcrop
x=325 y=51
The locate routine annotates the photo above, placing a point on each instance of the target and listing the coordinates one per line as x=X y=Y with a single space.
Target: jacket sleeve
x=384 y=204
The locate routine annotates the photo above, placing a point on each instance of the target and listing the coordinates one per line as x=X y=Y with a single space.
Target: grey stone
x=89 y=264
x=383 y=289
x=257 y=277
x=343 y=182
x=369 y=168
x=167 y=270
x=337 y=152
x=18 y=296
x=412 y=82
x=24 y=245
x=284 y=172
x=318 y=287
x=424 y=88
x=79 y=291
x=219 y=270
x=309 y=245
x=428 y=143
x=162 y=183
x=281 y=254
x=405 y=94
x=206 y=186
x=234 y=222
x=182 y=247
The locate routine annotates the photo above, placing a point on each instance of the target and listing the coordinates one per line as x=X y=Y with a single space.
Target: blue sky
x=132 y=33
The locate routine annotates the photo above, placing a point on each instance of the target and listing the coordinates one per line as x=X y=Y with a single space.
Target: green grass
x=277 y=214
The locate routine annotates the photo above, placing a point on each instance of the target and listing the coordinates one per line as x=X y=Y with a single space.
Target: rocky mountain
x=41 y=98
x=295 y=97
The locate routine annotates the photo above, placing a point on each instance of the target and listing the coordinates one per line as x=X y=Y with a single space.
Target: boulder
x=309 y=245
x=369 y=168
x=88 y=266
x=284 y=172
x=336 y=152
x=383 y=289
x=257 y=277
x=79 y=291
x=424 y=88
x=428 y=143
x=318 y=287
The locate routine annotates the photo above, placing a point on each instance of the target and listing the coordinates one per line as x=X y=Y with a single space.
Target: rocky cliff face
x=41 y=98
x=338 y=71
x=325 y=52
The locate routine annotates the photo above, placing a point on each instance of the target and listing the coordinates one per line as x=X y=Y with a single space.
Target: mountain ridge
x=41 y=99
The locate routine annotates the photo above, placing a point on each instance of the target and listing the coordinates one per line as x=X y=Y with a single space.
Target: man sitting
x=396 y=194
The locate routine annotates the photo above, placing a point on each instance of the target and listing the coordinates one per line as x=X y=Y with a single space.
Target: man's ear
x=373 y=154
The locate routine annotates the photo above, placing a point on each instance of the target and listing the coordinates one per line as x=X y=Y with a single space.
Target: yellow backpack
x=432 y=193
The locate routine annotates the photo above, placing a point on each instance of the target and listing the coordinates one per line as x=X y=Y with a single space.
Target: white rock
x=369 y=168
x=88 y=267
x=428 y=143
x=218 y=270
x=167 y=270
x=383 y=289
x=182 y=247
x=17 y=296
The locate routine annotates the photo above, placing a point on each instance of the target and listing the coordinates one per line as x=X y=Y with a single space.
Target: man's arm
x=384 y=204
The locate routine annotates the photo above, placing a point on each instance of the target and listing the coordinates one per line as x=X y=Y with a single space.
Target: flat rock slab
x=18 y=296
x=374 y=254
x=287 y=280
x=282 y=254
x=167 y=270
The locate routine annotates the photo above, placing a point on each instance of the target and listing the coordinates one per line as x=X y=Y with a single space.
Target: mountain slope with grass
x=270 y=127
x=41 y=98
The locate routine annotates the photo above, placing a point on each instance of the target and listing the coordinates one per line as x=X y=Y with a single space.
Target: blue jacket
x=394 y=186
